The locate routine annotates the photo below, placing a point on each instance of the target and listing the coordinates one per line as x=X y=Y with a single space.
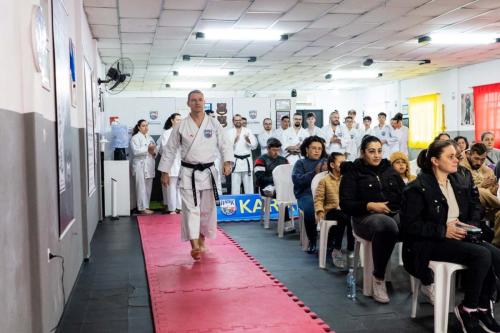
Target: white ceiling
x=323 y=35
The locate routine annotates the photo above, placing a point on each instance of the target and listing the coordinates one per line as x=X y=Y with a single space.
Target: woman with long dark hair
x=171 y=193
x=370 y=192
x=143 y=164
x=437 y=210
x=314 y=161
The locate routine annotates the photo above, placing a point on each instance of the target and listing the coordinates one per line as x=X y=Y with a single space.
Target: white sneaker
x=338 y=259
x=380 y=291
x=289 y=226
x=428 y=291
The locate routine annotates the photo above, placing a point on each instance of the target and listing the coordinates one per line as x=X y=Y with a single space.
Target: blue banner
x=246 y=207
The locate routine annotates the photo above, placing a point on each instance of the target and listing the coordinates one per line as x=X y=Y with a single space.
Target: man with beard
x=486 y=183
x=336 y=135
x=292 y=139
x=266 y=134
x=284 y=125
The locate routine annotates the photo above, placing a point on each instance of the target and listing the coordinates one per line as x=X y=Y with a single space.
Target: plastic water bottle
x=351 y=285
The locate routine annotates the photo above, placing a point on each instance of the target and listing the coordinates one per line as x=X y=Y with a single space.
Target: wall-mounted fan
x=118 y=75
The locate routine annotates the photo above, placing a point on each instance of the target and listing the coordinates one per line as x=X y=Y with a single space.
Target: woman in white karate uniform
x=143 y=164
x=171 y=193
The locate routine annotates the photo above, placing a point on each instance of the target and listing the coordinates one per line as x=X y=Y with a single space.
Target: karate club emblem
x=228 y=206
x=207 y=133
x=252 y=114
x=153 y=115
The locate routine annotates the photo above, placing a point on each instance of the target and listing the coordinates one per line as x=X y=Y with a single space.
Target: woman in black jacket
x=370 y=192
x=436 y=209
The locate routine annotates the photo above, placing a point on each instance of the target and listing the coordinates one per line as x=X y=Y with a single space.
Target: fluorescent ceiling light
x=242 y=34
x=197 y=72
x=354 y=74
x=461 y=38
x=190 y=85
x=338 y=86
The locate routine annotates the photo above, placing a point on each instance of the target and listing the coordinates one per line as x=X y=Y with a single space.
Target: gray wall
x=31 y=290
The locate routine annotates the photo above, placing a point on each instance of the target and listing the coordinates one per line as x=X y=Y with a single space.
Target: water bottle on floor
x=351 y=285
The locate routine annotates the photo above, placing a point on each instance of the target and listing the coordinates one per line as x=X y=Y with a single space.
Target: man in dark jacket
x=263 y=169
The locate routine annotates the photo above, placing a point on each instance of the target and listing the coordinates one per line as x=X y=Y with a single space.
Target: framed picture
x=467 y=109
x=90 y=129
x=62 y=87
x=282 y=105
x=280 y=114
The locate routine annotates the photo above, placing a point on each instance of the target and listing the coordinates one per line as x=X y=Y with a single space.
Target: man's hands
x=151 y=149
x=165 y=179
x=455 y=232
x=227 y=168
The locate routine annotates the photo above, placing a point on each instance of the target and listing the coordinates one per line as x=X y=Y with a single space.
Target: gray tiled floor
x=111 y=294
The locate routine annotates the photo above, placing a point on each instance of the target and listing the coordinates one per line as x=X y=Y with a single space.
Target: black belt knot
x=201 y=167
x=243 y=157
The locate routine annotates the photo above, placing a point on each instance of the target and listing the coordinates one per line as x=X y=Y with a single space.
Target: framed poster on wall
x=467 y=109
x=282 y=105
x=63 y=115
x=90 y=129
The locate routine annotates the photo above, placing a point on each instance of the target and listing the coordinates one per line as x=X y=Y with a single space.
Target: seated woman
x=304 y=170
x=436 y=209
x=400 y=163
x=370 y=191
x=463 y=144
x=326 y=205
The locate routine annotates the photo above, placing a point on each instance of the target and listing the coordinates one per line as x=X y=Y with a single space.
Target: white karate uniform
x=385 y=133
x=171 y=193
x=341 y=132
x=143 y=168
x=352 y=149
x=291 y=137
x=262 y=138
x=198 y=146
x=243 y=168
x=402 y=140
x=316 y=131
x=361 y=133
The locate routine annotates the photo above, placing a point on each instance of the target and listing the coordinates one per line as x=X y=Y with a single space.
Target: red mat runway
x=227 y=291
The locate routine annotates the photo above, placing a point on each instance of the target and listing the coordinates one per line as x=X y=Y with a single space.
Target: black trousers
x=482 y=261
x=382 y=231
x=306 y=203
x=336 y=234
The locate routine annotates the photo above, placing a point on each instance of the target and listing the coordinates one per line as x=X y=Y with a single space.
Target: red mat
x=227 y=291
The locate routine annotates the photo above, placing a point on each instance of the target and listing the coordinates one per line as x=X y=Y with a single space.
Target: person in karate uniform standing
x=143 y=164
x=171 y=194
x=292 y=139
x=243 y=142
x=200 y=140
x=400 y=132
x=336 y=136
x=265 y=135
x=352 y=149
x=384 y=133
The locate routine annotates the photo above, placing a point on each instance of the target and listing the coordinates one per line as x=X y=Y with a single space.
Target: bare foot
x=201 y=242
x=196 y=254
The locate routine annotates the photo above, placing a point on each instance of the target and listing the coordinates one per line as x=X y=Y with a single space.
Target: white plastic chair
x=324 y=225
x=444 y=288
x=282 y=178
x=365 y=247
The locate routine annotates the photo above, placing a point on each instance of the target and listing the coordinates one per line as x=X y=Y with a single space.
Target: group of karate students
x=197 y=151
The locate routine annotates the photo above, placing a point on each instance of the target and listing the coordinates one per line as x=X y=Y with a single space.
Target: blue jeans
x=306 y=204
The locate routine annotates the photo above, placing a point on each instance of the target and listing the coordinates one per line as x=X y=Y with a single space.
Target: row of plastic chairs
x=444 y=272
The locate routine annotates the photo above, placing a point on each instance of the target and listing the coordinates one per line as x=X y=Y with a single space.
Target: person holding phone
x=437 y=211
x=370 y=192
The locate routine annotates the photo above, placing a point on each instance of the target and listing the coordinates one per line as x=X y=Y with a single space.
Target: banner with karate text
x=246 y=207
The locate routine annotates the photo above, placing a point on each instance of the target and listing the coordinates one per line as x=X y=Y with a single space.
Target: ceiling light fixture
x=187 y=57
x=353 y=74
x=241 y=34
x=197 y=72
x=190 y=85
x=453 y=38
x=370 y=61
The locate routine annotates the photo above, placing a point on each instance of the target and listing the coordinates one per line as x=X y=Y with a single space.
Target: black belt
x=201 y=167
x=243 y=157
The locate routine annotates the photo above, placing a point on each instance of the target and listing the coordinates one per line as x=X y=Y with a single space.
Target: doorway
x=319 y=117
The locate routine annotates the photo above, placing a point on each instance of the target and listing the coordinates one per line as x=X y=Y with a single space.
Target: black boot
x=312 y=248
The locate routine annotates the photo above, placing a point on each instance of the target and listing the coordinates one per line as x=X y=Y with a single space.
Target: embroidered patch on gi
x=207 y=133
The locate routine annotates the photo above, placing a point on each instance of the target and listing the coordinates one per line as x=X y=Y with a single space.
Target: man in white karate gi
x=384 y=133
x=243 y=142
x=200 y=140
x=265 y=135
x=336 y=136
x=292 y=139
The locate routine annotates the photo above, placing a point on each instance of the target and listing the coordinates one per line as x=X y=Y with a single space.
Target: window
x=426 y=119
